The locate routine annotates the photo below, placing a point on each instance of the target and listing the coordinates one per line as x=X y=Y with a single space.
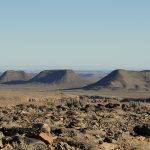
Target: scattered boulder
x=35 y=144
x=143 y=130
x=112 y=105
x=47 y=138
x=108 y=146
x=42 y=131
x=40 y=127
x=108 y=140
x=1 y=136
x=7 y=147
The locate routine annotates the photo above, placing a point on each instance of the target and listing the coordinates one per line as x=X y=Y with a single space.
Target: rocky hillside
x=124 y=79
x=61 y=78
x=12 y=76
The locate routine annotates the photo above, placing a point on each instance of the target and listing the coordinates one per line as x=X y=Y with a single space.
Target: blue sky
x=79 y=34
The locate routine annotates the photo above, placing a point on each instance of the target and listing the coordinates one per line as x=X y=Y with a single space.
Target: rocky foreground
x=80 y=123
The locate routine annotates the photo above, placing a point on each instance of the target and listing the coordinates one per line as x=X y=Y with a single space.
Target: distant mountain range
x=118 y=79
x=60 y=78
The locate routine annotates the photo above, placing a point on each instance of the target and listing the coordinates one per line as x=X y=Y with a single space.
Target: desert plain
x=61 y=110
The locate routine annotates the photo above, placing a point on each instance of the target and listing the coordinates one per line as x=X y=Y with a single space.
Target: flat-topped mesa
x=123 y=79
x=12 y=76
x=66 y=78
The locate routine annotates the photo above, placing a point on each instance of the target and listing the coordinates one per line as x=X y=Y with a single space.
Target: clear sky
x=78 y=34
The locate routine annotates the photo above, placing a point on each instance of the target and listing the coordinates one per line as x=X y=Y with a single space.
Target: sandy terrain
x=10 y=94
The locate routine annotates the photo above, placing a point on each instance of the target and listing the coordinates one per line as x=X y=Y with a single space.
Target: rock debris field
x=80 y=123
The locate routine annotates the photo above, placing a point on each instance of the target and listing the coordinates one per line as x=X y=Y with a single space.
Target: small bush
x=73 y=103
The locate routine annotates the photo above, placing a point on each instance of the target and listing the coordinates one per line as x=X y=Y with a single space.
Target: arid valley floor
x=39 y=117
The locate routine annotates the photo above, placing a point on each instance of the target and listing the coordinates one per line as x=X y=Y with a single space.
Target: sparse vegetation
x=74 y=103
